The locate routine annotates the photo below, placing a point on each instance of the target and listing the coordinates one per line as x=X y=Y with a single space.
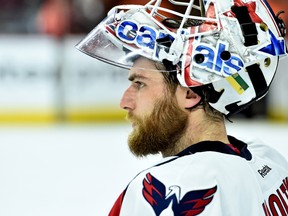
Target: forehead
x=145 y=69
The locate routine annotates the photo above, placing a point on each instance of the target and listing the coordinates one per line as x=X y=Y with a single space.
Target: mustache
x=131 y=117
x=136 y=120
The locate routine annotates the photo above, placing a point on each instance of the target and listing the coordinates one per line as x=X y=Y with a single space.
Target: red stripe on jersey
x=236 y=150
x=115 y=211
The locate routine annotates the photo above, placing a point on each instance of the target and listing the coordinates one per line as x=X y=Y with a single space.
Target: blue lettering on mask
x=208 y=54
x=141 y=35
x=126 y=31
x=146 y=37
x=213 y=61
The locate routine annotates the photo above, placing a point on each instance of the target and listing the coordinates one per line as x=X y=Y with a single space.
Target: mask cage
x=174 y=22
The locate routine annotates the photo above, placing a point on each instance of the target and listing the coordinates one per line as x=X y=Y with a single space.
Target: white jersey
x=210 y=178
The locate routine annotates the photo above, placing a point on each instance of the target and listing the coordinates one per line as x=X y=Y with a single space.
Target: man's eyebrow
x=136 y=76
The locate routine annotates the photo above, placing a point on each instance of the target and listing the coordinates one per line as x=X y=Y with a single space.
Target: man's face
x=158 y=121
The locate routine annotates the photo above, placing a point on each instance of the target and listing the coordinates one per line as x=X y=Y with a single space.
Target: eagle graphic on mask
x=192 y=203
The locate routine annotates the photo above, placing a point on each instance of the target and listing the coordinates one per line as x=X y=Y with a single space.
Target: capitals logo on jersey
x=191 y=204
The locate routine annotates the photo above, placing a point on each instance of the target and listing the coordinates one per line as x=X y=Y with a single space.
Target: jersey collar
x=220 y=147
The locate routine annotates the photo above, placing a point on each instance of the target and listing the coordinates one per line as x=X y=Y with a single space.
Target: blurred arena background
x=62 y=134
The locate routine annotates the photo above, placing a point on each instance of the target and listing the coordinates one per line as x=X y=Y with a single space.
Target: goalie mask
x=230 y=47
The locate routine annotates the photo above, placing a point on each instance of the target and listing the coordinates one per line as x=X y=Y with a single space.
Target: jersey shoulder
x=205 y=181
x=262 y=151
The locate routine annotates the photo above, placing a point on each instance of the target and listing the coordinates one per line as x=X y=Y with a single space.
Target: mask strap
x=248 y=27
x=260 y=86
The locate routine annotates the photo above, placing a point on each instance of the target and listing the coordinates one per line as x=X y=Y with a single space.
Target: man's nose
x=127 y=102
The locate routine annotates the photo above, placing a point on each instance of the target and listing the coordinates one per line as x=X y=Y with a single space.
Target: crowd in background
x=55 y=17
x=60 y=17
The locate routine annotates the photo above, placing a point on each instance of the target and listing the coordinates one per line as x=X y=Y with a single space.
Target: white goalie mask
x=231 y=47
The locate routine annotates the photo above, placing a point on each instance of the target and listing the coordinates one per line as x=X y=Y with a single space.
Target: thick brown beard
x=158 y=132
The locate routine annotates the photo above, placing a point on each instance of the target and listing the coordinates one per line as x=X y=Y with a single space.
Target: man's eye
x=139 y=84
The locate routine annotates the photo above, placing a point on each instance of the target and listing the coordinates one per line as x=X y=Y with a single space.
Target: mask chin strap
x=248 y=27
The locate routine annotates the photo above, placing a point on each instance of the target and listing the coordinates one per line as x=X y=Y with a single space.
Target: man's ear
x=192 y=99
